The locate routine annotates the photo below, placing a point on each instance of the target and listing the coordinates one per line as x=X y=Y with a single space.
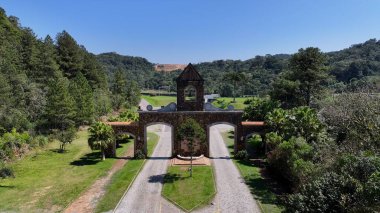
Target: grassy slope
x=123 y=178
x=47 y=180
x=258 y=185
x=158 y=101
x=239 y=102
x=189 y=192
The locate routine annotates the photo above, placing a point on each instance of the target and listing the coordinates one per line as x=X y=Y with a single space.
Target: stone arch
x=146 y=134
x=227 y=123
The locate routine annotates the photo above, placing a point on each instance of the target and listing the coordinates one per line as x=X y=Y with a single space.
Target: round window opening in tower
x=190 y=93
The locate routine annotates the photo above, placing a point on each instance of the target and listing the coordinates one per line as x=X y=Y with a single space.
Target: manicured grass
x=122 y=179
x=239 y=104
x=259 y=186
x=47 y=181
x=158 y=101
x=189 y=192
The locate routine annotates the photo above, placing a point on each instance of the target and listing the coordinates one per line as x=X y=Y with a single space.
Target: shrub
x=292 y=160
x=6 y=172
x=242 y=155
x=258 y=108
x=140 y=154
x=39 y=141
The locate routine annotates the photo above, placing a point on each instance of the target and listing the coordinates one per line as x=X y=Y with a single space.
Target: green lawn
x=259 y=186
x=158 y=101
x=123 y=178
x=189 y=192
x=47 y=181
x=239 y=101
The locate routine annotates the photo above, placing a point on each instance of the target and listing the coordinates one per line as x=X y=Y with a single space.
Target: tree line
x=50 y=86
x=352 y=67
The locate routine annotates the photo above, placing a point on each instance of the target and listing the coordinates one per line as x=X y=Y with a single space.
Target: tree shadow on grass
x=10 y=187
x=265 y=189
x=88 y=159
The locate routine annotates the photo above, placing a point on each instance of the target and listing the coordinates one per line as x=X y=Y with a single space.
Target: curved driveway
x=232 y=195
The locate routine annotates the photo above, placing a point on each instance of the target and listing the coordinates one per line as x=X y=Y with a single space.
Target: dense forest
x=358 y=64
x=48 y=87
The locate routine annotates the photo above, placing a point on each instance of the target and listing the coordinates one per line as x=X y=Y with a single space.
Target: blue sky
x=179 y=31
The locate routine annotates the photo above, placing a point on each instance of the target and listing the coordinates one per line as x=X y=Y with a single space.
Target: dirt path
x=86 y=203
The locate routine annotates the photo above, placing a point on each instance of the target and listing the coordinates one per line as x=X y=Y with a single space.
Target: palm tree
x=235 y=78
x=101 y=136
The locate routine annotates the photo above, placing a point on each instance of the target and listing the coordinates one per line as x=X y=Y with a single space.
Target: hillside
x=356 y=62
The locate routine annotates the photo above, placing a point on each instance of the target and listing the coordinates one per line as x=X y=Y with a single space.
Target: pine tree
x=60 y=108
x=69 y=54
x=81 y=91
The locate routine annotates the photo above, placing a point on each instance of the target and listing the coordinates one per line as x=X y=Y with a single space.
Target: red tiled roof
x=117 y=123
x=253 y=123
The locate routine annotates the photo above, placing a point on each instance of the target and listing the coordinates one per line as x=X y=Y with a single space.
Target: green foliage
x=191 y=131
x=60 y=110
x=354 y=187
x=13 y=145
x=354 y=121
x=6 y=172
x=242 y=155
x=292 y=159
x=304 y=80
x=64 y=136
x=81 y=92
x=140 y=154
x=126 y=93
x=258 y=108
x=126 y=115
x=299 y=122
x=101 y=137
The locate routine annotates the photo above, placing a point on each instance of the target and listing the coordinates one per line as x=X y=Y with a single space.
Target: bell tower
x=190 y=90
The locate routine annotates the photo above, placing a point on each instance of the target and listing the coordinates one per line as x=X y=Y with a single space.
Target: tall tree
x=235 y=78
x=305 y=77
x=81 y=92
x=69 y=54
x=60 y=108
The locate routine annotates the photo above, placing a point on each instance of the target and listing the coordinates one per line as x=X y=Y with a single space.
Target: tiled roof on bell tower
x=190 y=74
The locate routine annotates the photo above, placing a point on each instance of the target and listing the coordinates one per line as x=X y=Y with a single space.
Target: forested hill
x=137 y=68
x=353 y=63
x=53 y=84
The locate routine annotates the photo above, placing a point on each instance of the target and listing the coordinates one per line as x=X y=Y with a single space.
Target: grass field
x=158 y=101
x=123 y=178
x=239 y=102
x=189 y=192
x=47 y=181
x=260 y=187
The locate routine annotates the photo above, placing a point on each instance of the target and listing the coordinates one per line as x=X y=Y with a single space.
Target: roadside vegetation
x=122 y=179
x=262 y=188
x=47 y=180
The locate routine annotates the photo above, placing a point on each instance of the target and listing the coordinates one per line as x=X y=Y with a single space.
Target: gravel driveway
x=145 y=192
x=233 y=194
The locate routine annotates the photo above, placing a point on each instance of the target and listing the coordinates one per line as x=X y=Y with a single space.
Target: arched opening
x=190 y=93
x=124 y=144
x=158 y=139
x=254 y=145
x=222 y=139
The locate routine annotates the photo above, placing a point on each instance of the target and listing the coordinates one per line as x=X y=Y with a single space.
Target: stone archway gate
x=205 y=118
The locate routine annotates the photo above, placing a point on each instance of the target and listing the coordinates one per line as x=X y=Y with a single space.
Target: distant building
x=210 y=98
